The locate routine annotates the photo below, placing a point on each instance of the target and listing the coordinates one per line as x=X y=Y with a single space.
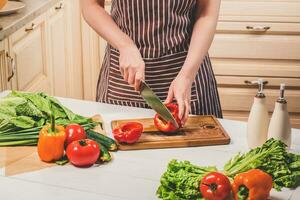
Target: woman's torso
x=162 y=30
x=158 y=27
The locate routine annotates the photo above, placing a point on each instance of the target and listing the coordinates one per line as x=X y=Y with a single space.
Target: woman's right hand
x=132 y=66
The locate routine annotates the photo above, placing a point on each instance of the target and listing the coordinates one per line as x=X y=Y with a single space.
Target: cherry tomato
x=215 y=186
x=74 y=132
x=83 y=153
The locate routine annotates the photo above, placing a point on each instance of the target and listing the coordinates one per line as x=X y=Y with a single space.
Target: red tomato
x=74 y=132
x=215 y=186
x=83 y=153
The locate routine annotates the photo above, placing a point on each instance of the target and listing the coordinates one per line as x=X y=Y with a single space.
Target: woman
x=165 y=43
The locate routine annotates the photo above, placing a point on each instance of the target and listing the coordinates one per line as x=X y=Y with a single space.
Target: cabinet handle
x=31 y=28
x=247 y=82
x=258 y=28
x=12 y=65
x=61 y=5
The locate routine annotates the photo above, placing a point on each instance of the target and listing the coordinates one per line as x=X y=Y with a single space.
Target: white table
x=132 y=175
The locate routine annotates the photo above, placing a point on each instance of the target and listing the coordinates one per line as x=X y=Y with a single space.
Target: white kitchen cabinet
x=47 y=53
x=58 y=51
x=75 y=48
x=65 y=51
x=254 y=40
x=28 y=48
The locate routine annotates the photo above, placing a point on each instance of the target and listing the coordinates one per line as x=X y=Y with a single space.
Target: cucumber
x=107 y=142
x=64 y=160
x=104 y=154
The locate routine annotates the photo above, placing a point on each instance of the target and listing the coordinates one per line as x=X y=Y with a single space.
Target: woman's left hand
x=180 y=89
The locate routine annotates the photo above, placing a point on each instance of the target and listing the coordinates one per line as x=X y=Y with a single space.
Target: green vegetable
x=64 y=160
x=37 y=99
x=23 y=114
x=104 y=154
x=107 y=142
x=70 y=115
x=23 y=142
x=6 y=112
x=273 y=159
x=243 y=193
x=22 y=122
x=28 y=109
x=181 y=181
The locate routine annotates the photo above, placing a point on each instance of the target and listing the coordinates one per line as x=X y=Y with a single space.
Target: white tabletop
x=132 y=175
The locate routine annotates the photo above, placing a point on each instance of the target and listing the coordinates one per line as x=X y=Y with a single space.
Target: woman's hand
x=131 y=63
x=181 y=89
x=206 y=18
x=132 y=66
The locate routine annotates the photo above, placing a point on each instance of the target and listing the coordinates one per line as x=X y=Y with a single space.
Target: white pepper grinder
x=280 y=127
x=258 y=121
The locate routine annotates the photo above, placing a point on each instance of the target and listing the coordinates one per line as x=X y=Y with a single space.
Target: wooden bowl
x=2 y=3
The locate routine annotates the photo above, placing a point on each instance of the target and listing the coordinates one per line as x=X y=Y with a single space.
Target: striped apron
x=161 y=30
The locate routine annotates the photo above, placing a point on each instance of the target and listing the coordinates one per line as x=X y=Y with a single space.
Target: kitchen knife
x=154 y=102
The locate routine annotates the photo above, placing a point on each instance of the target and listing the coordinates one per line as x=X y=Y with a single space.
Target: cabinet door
x=28 y=49
x=57 y=49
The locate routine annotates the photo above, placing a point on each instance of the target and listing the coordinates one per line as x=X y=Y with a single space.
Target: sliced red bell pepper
x=128 y=133
x=165 y=126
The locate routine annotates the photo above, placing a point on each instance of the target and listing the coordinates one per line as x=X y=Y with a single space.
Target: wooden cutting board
x=198 y=131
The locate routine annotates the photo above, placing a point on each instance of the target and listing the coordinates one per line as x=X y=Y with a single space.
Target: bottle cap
x=260 y=82
x=260 y=92
x=281 y=98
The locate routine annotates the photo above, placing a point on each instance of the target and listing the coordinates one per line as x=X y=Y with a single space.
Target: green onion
x=30 y=136
x=16 y=138
x=19 y=143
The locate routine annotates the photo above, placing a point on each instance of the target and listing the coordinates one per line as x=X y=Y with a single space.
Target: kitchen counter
x=132 y=175
x=11 y=23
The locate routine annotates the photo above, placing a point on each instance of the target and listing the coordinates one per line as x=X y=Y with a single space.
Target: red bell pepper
x=128 y=133
x=165 y=126
x=215 y=186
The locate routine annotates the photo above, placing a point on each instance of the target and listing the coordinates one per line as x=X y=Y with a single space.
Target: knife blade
x=154 y=102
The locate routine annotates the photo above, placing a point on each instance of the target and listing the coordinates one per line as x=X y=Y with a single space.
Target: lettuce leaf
x=182 y=180
x=36 y=99
x=273 y=158
x=22 y=122
x=22 y=110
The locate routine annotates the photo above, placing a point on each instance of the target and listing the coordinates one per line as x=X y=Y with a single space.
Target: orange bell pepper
x=252 y=185
x=51 y=143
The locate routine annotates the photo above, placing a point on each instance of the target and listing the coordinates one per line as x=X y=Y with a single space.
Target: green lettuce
x=23 y=113
x=181 y=181
x=274 y=159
